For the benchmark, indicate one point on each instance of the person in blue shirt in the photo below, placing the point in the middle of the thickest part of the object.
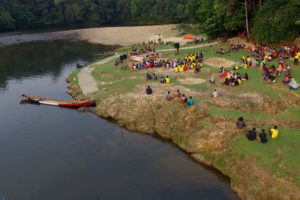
(190, 101)
(148, 76)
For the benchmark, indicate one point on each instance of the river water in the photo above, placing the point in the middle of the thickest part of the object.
(55, 153)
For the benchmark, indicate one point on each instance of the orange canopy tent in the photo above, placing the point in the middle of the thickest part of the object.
(188, 36)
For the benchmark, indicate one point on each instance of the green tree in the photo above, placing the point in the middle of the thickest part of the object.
(276, 20)
(23, 16)
(6, 21)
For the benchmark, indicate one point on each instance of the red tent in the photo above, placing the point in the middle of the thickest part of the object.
(188, 36)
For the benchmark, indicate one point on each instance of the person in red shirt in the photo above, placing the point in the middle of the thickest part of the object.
(185, 68)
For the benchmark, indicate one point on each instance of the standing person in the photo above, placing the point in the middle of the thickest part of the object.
(148, 90)
(262, 137)
(240, 123)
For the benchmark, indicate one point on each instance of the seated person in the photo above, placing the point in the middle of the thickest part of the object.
(251, 135)
(271, 79)
(212, 80)
(176, 69)
(274, 132)
(167, 79)
(262, 137)
(190, 102)
(245, 77)
(226, 82)
(215, 93)
(168, 96)
(148, 90)
(224, 74)
(185, 68)
(285, 79)
(293, 85)
(162, 80)
(240, 123)
(222, 69)
(148, 76)
(178, 94)
(117, 62)
(239, 82)
(183, 99)
(236, 67)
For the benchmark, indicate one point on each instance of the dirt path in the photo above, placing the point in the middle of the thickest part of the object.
(191, 47)
(88, 84)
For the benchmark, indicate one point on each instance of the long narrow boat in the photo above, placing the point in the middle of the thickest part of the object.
(56, 102)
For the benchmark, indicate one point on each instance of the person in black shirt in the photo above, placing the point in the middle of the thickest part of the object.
(262, 137)
(251, 135)
(148, 90)
(240, 123)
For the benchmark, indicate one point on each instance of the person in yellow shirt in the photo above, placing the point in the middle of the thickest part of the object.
(274, 132)
(181, 68)
(176, 69)
(297, 56)
(168, 79)
(240, 81)
(243, 58)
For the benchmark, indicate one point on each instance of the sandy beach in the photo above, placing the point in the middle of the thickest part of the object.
(108, 36)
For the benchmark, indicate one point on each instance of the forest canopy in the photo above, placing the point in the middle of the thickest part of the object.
(270, 21)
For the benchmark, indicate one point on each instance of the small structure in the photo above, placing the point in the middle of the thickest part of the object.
(188, 36)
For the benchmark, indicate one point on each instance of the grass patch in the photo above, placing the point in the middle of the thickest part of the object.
(278, 155)
(73, 77)
(234, 114)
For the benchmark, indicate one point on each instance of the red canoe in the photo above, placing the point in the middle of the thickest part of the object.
(57, 102)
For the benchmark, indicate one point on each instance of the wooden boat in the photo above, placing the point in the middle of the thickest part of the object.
(56, 102)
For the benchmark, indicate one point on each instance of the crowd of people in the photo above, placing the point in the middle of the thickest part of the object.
(270, 74)
(230, 78)
(193, 61)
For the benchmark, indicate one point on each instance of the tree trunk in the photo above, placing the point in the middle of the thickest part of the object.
(253, 5)
(259, 3)
(246, 13)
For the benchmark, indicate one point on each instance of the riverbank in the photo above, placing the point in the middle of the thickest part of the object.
(207, 131)
(108, 35)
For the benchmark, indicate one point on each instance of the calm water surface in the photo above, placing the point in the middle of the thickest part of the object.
(54, 153)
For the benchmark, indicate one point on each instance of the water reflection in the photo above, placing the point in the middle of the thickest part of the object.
(40, 58)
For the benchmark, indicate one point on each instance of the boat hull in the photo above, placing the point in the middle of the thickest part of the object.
(57, 102)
